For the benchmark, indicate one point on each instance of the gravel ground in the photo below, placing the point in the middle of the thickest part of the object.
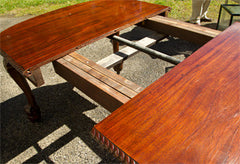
(67, 114)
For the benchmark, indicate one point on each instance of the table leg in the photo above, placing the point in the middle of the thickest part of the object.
(32, 109)
(117, 67)
(165, 14)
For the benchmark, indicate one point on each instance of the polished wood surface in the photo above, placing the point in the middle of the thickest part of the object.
(190, 115)
(42, 39)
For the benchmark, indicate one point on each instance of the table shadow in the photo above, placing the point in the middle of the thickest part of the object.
(60, 106)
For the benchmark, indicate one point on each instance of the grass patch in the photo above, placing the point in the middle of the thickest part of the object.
(181, 9)
(33, 7)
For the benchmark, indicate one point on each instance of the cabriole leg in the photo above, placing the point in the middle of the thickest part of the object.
(32, 109)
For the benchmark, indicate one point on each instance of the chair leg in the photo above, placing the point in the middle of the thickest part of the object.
(32, 110)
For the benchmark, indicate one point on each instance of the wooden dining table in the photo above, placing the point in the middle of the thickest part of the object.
(35, 42)
(42, 39)
(189, 115)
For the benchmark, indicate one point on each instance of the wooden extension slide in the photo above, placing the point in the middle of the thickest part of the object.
(186, 31)
(102, 85)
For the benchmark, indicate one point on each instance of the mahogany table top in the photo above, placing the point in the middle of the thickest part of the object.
(37, 41)
(190, 115)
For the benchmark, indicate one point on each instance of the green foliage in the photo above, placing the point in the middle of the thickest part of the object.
(24, 7)
(181, 9)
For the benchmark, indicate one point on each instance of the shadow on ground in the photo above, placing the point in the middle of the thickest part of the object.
(61, 107)
(171, 46)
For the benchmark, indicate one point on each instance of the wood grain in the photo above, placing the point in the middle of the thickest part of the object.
(102, 85)
(187, 31)
(190, 115)
(37, 41)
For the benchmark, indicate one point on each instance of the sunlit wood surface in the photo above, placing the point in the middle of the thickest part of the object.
(190, 115)
(47, 37)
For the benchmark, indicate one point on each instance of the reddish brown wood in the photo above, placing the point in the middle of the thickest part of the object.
(42, 39)
(103, 71)
(36, 78)
(32, 109)
(187, 31)
(103, 86)
(115, 44)
(190, 115)
(117, 67)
